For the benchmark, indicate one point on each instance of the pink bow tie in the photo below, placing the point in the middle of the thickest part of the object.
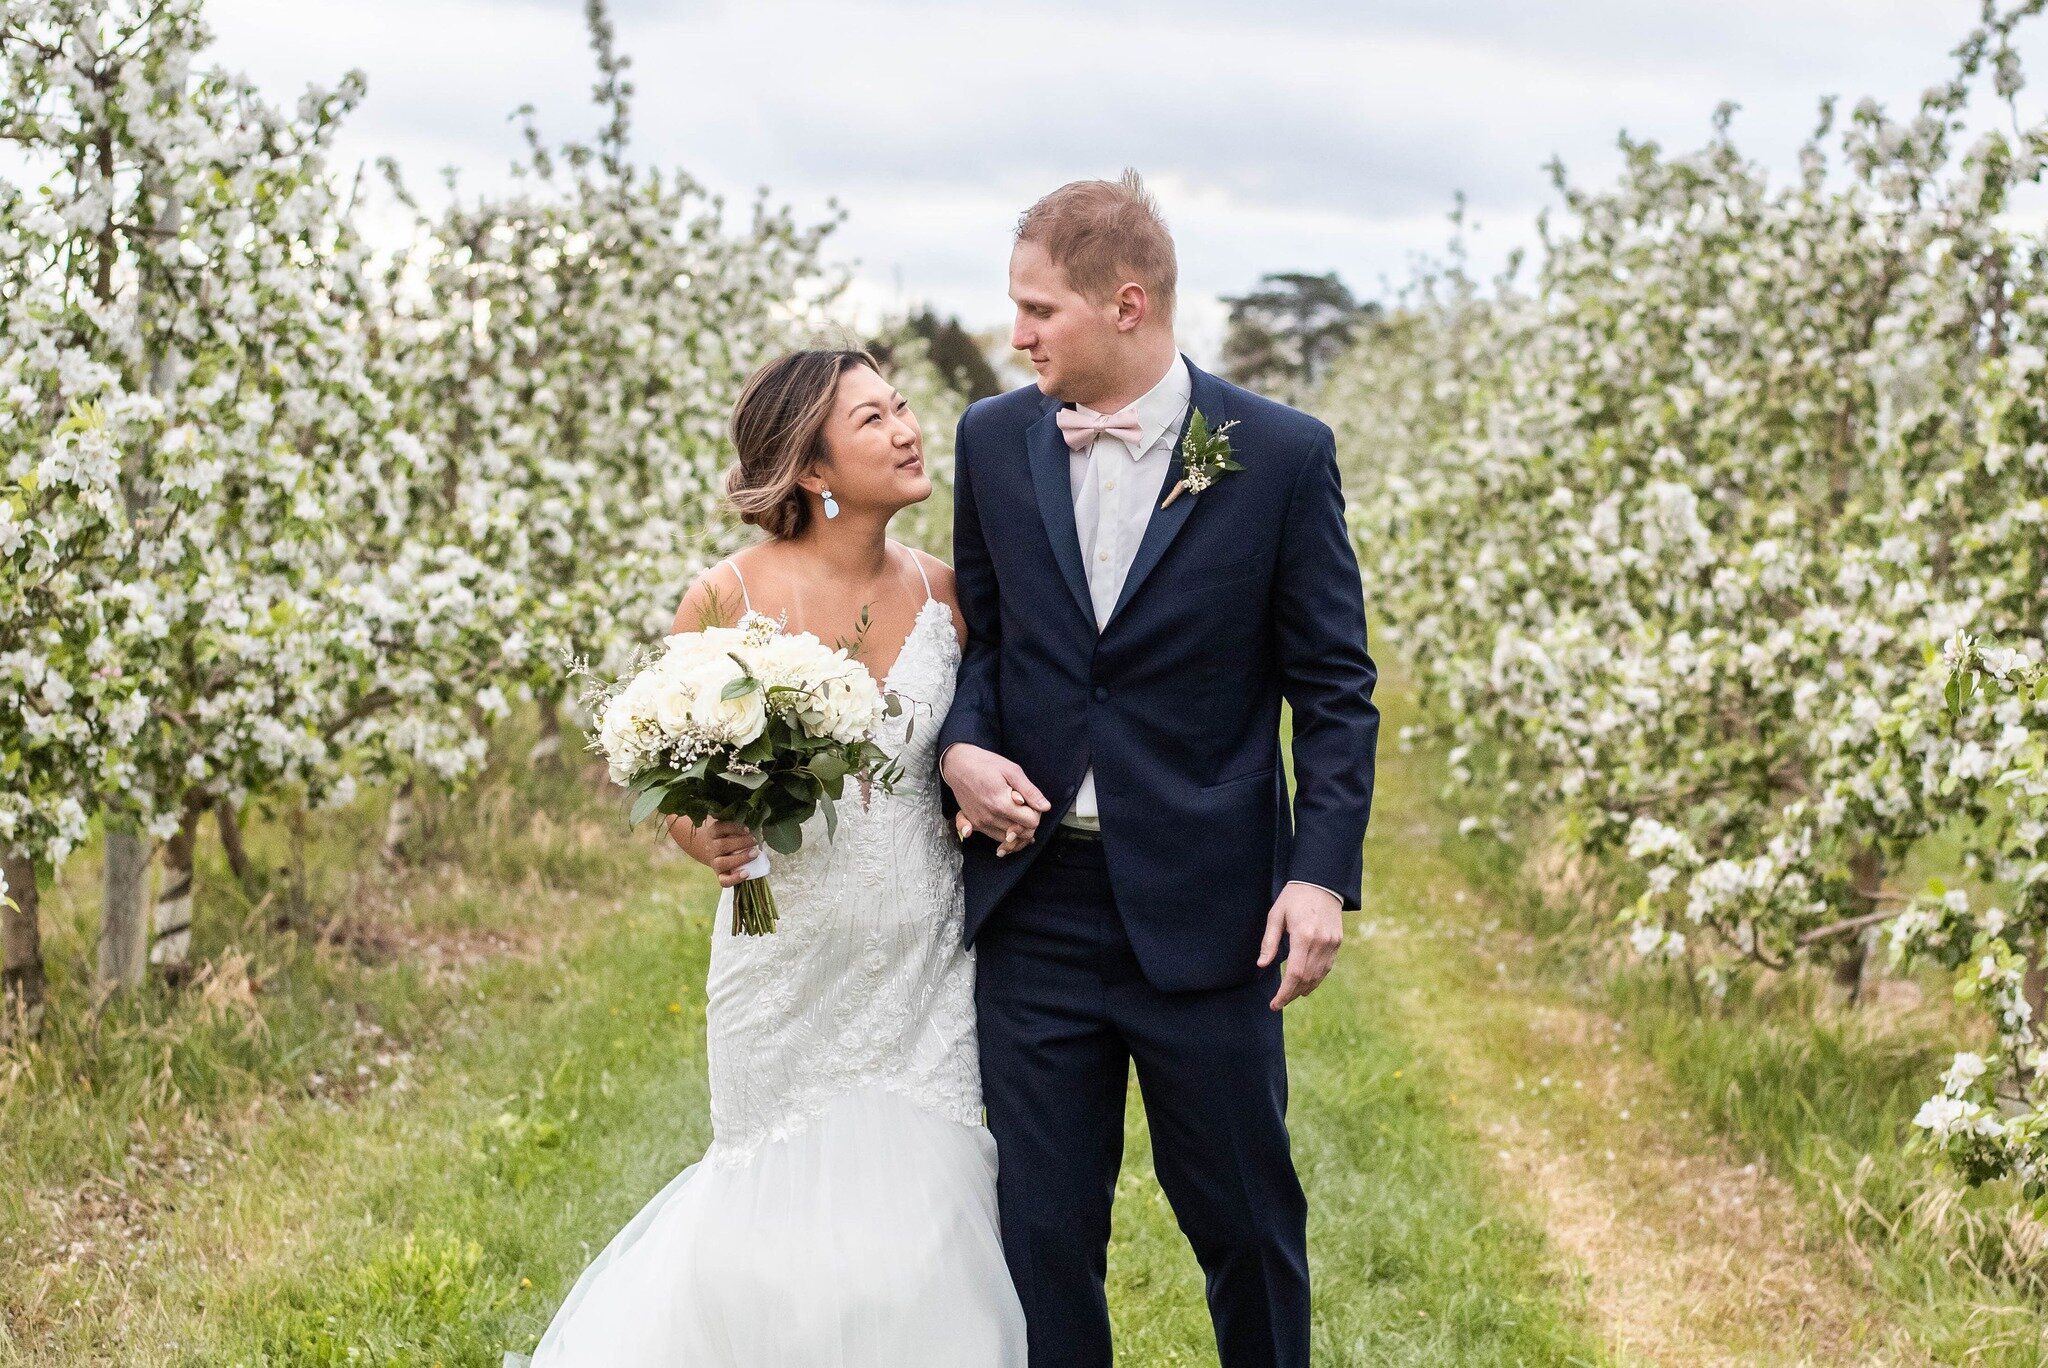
(1082, 431)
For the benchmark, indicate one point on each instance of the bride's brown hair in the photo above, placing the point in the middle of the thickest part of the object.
(778, 429)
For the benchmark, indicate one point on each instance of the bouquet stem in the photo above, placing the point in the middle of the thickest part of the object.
(753, 908)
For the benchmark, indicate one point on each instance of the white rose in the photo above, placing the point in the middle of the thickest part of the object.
(787, 661)
(631, 710)
(686, 651)
(690, 651)
(611, 728)
(844, 706)
(736, 720)
(625, 716)
(675, 703)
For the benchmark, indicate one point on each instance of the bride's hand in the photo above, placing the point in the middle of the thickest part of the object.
(995, 797)
(727, 847)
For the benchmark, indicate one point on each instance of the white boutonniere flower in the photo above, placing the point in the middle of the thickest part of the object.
(1206, 457)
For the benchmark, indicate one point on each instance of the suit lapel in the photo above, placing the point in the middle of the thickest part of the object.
(1052, 482)
(1205, 392)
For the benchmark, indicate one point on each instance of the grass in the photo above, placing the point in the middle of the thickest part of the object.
(1418, 1256)
(391, 1130)
(232, 1172)
(1826, 1098)
(1822, 1096)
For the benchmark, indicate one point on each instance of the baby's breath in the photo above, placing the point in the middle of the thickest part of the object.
(1205, 457)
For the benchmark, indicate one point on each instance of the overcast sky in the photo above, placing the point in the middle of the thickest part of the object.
(1313, 135)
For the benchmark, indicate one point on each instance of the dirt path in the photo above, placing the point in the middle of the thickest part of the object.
(1685, 1255)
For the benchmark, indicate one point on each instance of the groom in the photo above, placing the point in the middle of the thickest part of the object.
(1136, 880)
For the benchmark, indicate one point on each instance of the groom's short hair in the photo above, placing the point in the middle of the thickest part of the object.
(1104, 233)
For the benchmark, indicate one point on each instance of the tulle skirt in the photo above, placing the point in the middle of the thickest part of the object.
(868, 1239)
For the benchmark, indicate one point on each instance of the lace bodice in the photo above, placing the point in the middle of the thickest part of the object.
(865, 981)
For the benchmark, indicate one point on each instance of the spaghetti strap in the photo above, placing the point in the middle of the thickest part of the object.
(745, 602)
(918, 561)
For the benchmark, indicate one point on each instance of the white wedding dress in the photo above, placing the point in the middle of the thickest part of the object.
(844, 1215)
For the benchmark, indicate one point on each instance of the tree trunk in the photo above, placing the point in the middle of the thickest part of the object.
(2034, 985)
(1852, 960)
(547, 751)
(170, 949)
(124, 933)
(400, 824)
(1852, 963)
(1692, 977)
(229, 823)
(21, 949)
(295, 828)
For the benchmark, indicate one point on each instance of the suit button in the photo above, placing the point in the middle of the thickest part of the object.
(1101, 694)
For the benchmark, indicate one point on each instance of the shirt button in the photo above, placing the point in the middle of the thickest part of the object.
(1109, 484)
(1101, 694)
(1103, 556)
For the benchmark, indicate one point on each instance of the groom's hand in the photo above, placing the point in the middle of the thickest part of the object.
(1313, 920)
(995, 798)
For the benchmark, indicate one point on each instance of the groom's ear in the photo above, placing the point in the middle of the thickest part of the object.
(1131, 305)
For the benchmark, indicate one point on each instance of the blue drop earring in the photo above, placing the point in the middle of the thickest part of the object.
(831, 504)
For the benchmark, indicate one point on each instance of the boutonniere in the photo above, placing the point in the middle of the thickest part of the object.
(1206, 457)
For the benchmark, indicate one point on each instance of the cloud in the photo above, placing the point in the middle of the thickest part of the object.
(1314, 135)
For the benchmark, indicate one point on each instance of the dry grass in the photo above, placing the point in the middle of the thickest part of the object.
(1686, 1255)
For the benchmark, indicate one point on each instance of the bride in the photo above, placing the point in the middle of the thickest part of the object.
(844, 1215)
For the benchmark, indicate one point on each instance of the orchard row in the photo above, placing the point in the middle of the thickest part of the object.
(1716, 532)
(280, 515)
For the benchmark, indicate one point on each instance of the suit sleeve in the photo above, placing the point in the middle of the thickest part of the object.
(973, 716)
(1327, 677)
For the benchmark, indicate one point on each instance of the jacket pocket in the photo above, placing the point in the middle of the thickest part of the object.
(1202, 577)
(1266, 773)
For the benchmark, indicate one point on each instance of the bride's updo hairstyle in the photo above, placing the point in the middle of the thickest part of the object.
(778, 429)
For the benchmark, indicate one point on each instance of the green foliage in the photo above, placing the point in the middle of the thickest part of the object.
(949, 349)
(1285, 336)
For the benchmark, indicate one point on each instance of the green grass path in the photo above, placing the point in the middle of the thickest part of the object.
(436, 1212)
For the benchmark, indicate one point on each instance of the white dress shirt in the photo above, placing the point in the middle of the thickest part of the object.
(1116, 487)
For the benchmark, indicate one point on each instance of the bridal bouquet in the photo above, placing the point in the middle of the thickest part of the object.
(751, 724)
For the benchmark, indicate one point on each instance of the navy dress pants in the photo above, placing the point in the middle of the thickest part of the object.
(1064, 1013)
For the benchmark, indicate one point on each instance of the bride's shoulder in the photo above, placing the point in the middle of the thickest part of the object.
(940, 573)
(940, 576)
(717, 597)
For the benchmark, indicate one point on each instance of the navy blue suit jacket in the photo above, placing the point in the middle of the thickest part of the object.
(1240, 596)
